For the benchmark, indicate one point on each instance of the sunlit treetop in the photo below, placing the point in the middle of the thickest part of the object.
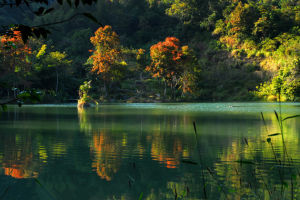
(14, 50)
(14, 42)
(106, 58)
(105, 38)
(166, 57)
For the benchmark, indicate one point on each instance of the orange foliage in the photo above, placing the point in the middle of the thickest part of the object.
(14, 51)
(231, 41)
(166, 57)
(159, 153)
(107, 51)
(141, 52)
(105, 167)
(14, 172)
(15, 41)
(20, 172)
(14, 168)
(102, 171)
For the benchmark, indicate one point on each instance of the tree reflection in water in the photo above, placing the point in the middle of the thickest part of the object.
(17, 160)
(116, 152)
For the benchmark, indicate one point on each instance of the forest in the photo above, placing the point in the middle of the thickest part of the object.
(153, 51)
(188, 99)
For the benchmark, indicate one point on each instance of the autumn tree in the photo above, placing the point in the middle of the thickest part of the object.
(15, 62)
(168, 63)
(106, 59)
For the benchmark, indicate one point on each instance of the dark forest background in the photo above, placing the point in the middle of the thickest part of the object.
(241, 50)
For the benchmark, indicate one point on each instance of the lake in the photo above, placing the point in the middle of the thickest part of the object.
(150, 151)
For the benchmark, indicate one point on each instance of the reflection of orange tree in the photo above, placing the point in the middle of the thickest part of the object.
(104, 147)
(20, 171)
(18, 162)
(169, 154)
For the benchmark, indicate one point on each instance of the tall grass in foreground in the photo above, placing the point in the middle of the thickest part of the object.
(259, 184)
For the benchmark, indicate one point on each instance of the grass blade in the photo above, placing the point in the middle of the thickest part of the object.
(189, 162)
(4, 193)
(274, 134)
(141, 196)
(200, 160)
(49, 194)
(262, 116)
(195, 128)
(290, 117)
(277, 117)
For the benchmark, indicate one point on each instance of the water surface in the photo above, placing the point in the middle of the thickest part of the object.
(120, 151)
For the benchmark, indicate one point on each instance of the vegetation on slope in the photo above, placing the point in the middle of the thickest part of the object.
(232, 50)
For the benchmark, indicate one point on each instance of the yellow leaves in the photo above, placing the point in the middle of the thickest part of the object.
(185, 49)
(43, 154)
(123, 63)
(57, 55)
(140, 53)
(42, 51)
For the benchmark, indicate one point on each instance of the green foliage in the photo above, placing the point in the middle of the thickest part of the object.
(233, 46)
(264, 33)
(84, 89)
(282, 87)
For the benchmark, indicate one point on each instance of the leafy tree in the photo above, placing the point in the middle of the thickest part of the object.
(57, 60)
(107, 57)
(242, 18)
(15, 63)
(168, 63)
(141, 60)
(188, 80)
(52, 63)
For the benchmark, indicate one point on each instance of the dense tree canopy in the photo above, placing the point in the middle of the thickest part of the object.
(106, 59)
(234, 49)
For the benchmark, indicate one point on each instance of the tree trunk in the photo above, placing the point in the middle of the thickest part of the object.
(165, 90)
(105, 89)
(141, 76)
(172, 91)
(14, 89)
(56, 88)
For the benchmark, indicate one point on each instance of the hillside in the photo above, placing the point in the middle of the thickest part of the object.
(228, 50)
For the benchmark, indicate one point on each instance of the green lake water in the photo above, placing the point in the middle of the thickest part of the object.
(124, 151)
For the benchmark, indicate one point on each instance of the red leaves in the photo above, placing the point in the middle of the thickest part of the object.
(166, 57)
(15, 42)
(14, 51)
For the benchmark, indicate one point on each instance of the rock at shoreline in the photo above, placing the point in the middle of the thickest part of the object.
(83, 104)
